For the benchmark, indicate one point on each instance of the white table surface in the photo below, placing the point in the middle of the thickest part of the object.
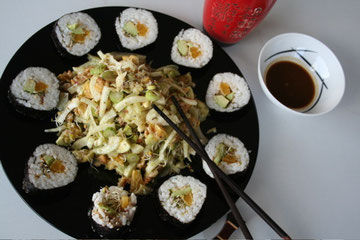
(307, 173)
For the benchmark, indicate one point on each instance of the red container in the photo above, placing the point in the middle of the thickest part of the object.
(228, 21)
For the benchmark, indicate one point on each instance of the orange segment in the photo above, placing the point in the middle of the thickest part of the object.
(188, 198)
(142, 29)
(125, 200)
(57, 167)
(229, 158)
(225, 89)
(40, 87)
(195, 52)
(82, 107)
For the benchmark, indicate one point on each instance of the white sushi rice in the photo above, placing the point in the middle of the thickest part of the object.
(42, 177)
(136, 16)
(64, 34)
(121, 218)
(195, 36)
(240, 153)
(238, 86)
(184, 214)
(47, 102)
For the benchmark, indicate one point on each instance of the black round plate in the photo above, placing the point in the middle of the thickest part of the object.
(67, 208)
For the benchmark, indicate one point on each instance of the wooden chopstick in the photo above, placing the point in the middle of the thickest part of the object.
(239, 219)
(225, 178)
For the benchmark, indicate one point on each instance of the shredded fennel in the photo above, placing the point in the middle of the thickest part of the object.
(113, 124)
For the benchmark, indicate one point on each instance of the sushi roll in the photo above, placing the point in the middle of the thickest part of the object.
(49, 167)
(75, 34)
(113, 210)
(191, 48)
(182, 198)
(136, 28)
(227, 92)
(228, 153)
(34, 90)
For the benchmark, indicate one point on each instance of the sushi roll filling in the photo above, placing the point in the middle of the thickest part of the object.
(49, 167)
(228, 153)
(75, 34)
(132, 29)
(225, 95)
(78, 32)
(188, 49)
(113, 207)
(227, 92)
(50, 164)
(225, 153)
(35, 87)
(182, 196)
(136, 28)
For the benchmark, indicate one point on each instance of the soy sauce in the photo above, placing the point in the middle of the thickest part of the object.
(290, 84)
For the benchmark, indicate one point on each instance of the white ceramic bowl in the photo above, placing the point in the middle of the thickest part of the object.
(318, 59)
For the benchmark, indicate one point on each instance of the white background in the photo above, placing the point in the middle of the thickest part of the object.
(307, 173)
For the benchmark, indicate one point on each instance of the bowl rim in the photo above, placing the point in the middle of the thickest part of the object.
(277, 102)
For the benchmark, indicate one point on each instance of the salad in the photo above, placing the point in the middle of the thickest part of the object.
(106, 117)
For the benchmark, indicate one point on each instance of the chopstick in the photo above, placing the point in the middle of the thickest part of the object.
(225, 178)
(228, 199)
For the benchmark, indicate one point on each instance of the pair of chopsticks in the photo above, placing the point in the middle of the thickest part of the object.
(220, 175)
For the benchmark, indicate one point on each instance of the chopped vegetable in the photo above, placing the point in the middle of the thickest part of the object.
(29, 86)
(219, 153)
(75, 28)
(230, 96)
(211, 130)
(182, 47)
(224, 96)
(181, 191)
(113, 123)
(221, 101)
(116, 97)
(131, 29)
(109, 132)
(49, 160)
(109, 75)
(151, 96)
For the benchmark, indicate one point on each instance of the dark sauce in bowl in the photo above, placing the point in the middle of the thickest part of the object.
(291, 84)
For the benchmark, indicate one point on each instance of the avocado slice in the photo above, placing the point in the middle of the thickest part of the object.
(230, 96)
(181, 192)
(221, 101)
(108, 209)
(219, 153)
(75, 28)
(29, 86)
(182, 47)
(131, 29)
(72, 27)
(49, 160)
